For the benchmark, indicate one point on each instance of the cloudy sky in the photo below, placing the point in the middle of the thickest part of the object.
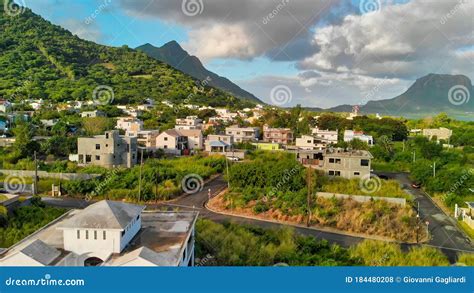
(320, 53)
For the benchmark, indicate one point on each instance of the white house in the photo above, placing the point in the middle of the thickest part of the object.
(109, 233)
(172, 141)
(93, 114)
(309, 142)
(190, 122)
(131, 125)
(5, 106)
(243, 134)
(330, 135)
(350, 135)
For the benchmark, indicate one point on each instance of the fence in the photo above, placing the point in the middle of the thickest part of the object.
(363, 198)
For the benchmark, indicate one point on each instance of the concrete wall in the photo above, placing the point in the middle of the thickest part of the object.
(363, 198)
(100, 246)
(44, 174)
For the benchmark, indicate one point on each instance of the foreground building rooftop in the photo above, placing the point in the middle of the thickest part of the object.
(109, 233)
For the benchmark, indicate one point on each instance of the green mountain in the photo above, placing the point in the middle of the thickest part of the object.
(430, 94)
(41, 60)
(173, 54)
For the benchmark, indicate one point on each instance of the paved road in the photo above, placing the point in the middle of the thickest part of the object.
(198, 200)
(446, 235)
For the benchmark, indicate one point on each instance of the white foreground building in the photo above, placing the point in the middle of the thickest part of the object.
(109, 233)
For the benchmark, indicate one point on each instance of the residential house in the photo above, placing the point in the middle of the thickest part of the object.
(147, 138)
(243, 134)
(350, 135)
(108, 150)
(93, 114)
(309, 142)
(331, 136)
(131, 125)
(219, 143)
(338, 162)
(5, 106)
(172, 142)
(440, 133)
(268, 146)
(190, 122)
(277, 135)
(195, 138)
(109, 233)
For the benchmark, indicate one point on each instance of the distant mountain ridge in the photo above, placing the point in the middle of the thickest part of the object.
(431, 94)
(174, 55)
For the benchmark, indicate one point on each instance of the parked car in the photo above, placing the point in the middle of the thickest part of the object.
(416, 185)
(235, 159)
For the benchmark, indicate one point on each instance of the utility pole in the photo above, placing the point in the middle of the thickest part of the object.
(140, 180)
(35, 184)
(228, 174)
(309, 170)
(434, 169)
(414, 156)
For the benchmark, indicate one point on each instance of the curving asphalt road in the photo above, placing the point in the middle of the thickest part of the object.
(445, 234)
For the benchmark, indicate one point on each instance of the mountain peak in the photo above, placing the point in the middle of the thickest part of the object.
(174, 55)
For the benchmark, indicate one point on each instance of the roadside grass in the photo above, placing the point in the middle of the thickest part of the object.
(469, 231)
(387, 188)
(377, 218)
(466, 259)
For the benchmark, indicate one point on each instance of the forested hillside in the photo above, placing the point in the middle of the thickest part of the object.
(42, 60)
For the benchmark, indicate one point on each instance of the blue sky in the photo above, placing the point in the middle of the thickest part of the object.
(328, 52)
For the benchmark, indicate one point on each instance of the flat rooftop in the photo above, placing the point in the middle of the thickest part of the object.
(162, 238)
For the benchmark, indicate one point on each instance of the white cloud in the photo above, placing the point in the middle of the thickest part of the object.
(406, 41)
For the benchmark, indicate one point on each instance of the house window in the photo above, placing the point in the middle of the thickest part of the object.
(364, 163)
(97, 158)
(331, 160)
(87, 234)
(78, 234)
(104, 235)
(165, 139)
(337, 173)
(165, 147)
(331, 173)
(107, 136)
(97, 146)
(356, 173)
(95, 235)
(88, 158)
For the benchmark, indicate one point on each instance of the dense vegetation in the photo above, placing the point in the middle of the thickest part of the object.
(454, 166)
(161, 179)
(24, 221)
(273, 186)
(40, 60)
(237, 245)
